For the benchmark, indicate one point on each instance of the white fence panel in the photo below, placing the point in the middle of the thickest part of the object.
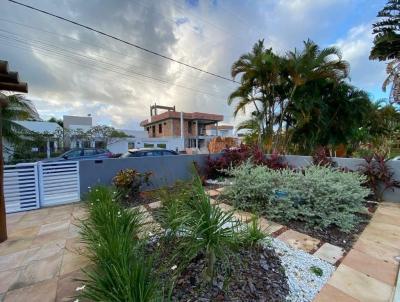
(59, 182)
(21, 190)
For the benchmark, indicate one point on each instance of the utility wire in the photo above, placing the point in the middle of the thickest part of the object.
(97, 46)
(123, 41)
(128, 74)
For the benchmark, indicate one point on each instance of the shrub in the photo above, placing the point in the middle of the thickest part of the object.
(321, 158)
(319, 196)
(236, 156)
(379, 176)
(129, 182)
(121, 270)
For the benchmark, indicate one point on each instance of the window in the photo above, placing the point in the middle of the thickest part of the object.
(148, 145)
(89, 152)
(159, 128)
(153, 130)
(131, 145)
(74, 153)
(164, 146)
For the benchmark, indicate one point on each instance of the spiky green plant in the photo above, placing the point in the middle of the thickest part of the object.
(252, 233)
(122, 270)
(208, 230)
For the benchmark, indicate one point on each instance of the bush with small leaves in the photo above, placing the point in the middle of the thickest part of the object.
(319, 196)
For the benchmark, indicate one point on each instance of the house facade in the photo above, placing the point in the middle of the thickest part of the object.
(184, 130)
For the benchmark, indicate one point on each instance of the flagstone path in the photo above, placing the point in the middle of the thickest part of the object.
(43, 255)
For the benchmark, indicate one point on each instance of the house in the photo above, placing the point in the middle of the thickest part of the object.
(179, 130)
(50, 138)
(78, 135)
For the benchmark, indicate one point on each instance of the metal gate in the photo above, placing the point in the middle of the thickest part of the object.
(21, 190)
(59, 182)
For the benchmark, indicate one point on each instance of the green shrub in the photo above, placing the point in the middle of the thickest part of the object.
(319, 196)
(121, 271)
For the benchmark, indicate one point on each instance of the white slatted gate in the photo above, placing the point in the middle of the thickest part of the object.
(21, 190)
(59, 182)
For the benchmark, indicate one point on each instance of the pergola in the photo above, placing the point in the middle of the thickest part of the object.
(9, 81)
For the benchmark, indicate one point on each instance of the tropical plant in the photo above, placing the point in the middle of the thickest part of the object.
(129, 182)
(121, 270)
(321, 158)
(387, 38)
(387, 45)
(252, 233)
(379, 176)
(207, 230)
(18, 109)
(273, 86)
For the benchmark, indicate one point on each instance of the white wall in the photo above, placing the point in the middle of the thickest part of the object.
(172, 143)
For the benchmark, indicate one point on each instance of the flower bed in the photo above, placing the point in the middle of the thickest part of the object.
(320, 201)
(195, 252)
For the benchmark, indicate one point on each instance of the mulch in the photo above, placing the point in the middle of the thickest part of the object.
(250, 274)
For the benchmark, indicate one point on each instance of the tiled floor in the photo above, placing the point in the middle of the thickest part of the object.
(42, 256)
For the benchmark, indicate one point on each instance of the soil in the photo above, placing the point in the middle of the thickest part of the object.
(253, 274)
(332, 235)
(143, 199)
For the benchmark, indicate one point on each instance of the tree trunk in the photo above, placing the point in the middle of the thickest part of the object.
(3, 225)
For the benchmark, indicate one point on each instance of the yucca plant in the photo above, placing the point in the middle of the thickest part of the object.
(208, 230)
(122, 270)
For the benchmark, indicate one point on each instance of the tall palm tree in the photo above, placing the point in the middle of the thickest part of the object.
(260, 74)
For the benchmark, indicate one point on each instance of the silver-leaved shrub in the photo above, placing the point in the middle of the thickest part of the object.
(319, 196)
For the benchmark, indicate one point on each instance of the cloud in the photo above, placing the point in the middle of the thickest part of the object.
(76, 71)
(356, 47)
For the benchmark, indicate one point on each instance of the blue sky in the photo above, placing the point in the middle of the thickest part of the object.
(73, 71)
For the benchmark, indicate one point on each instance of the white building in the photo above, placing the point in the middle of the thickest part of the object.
(51, 131)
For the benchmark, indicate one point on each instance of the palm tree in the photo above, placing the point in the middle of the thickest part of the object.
(260, 74)
(311, 64)
(393, 72)
(17, 109)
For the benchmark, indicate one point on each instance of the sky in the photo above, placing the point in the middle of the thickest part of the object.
(74, 71)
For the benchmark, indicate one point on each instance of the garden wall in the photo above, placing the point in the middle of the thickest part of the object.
(166, 169)
(353, 164)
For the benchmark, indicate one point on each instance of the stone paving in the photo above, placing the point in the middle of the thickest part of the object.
(43, 255)
(369, 270)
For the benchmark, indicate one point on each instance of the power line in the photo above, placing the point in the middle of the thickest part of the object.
(123, 41)
(97, 46)
(129, 74)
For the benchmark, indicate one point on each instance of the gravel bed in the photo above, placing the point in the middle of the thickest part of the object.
(304, 283)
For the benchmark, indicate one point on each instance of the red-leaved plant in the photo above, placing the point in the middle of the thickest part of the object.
(321, 158)
(236, 156)
(380, 176)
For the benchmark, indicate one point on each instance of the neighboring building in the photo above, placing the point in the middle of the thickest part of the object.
(51, 132)
(220, 130)
(179, 130)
